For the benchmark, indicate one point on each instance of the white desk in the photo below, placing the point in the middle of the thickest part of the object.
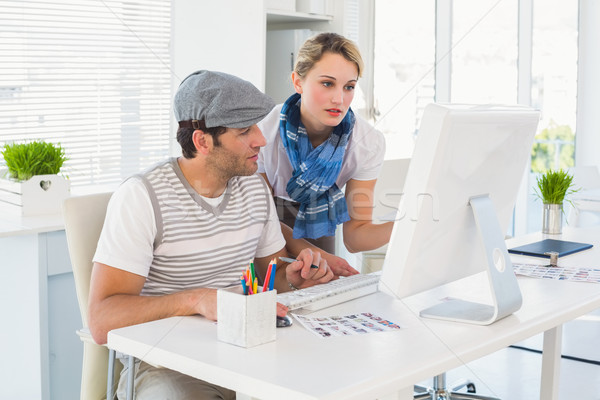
(299, 365)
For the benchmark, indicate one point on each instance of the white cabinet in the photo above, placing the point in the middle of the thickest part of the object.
(65, 349)
(227, 36)
(41, 353)
(286, 32)
(282, 52)
(230, 36)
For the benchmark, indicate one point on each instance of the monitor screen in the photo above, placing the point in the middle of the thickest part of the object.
(457, 202)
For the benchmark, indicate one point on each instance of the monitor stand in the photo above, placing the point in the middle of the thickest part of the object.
(506, 295)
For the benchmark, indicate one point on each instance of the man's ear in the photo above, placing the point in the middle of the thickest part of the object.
(297, 82)
(202, 141)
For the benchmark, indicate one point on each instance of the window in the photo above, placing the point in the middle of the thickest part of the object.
(497, 54)
(554, 83)
(93, 76)
(554, 92)
(404, 67)
(484, 51)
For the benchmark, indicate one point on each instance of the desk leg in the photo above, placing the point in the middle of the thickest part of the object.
(111, 374)
(551, 363)
(130, 376)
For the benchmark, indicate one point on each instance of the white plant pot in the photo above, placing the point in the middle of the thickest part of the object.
(42, 194)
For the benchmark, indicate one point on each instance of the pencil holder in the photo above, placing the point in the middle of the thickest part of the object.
(246, 321)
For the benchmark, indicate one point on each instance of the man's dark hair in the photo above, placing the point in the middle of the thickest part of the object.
(184, 138)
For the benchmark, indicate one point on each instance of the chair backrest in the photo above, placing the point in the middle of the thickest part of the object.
(84, 218)
(386, 199)
(586, 202)
(388, 189)
(585, 177)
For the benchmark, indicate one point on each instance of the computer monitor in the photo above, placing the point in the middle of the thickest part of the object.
(457, 202)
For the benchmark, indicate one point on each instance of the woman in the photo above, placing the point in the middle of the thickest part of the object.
(316, 145)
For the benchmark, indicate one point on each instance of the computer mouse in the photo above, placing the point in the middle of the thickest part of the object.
(282, 322)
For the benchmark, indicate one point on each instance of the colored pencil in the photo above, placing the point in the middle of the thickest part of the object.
(266, 284)
(273, 270)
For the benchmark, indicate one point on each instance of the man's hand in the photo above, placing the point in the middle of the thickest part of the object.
(204, 302)
(301, 274)
(281, 310)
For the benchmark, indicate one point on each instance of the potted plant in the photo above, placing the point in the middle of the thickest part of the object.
(32, 181)
(553, 188)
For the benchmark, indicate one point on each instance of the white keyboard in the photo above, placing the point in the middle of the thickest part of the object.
(331, 293)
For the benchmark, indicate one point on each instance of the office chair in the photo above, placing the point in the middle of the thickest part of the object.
(386, 199)
(84, 217)
(439, 391)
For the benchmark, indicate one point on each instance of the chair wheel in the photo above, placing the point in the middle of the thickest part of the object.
(471, 388)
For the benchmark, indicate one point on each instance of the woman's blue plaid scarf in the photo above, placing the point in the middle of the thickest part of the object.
(322, 203)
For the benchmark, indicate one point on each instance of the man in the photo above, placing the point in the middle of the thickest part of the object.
(188, 226)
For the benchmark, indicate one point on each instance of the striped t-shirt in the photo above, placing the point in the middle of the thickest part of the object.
(192, 243)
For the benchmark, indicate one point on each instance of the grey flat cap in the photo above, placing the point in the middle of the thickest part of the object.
(220, 100)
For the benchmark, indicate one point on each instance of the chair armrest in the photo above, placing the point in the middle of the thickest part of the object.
(85, 335)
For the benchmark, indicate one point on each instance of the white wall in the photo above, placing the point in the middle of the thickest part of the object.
(221, 35)
(227, 36)
(587, 139)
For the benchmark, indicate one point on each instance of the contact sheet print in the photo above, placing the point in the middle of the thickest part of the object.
(368, 322)
(353, 324)
(578, 274)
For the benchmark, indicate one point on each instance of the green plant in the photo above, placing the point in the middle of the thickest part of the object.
(25, 160)
(554, 186)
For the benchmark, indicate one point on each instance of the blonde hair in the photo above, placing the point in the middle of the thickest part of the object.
(313, 49)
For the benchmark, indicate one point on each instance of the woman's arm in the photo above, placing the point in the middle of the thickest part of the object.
(300, 273)
(360, 233)
(338, 265)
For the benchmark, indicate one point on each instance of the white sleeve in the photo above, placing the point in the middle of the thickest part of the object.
(271, 240)
(269, 127)
(370, 144)
(127, 238)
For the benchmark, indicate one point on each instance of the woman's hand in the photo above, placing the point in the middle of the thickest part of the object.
(338, 265)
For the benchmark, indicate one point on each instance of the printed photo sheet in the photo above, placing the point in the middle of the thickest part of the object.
(353, 324)
(580, 274)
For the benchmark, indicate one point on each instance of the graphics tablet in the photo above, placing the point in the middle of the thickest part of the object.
(562, 247)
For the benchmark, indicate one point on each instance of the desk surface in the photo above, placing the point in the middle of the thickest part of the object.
(300, 365)
(586, 258)
(12, 223)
